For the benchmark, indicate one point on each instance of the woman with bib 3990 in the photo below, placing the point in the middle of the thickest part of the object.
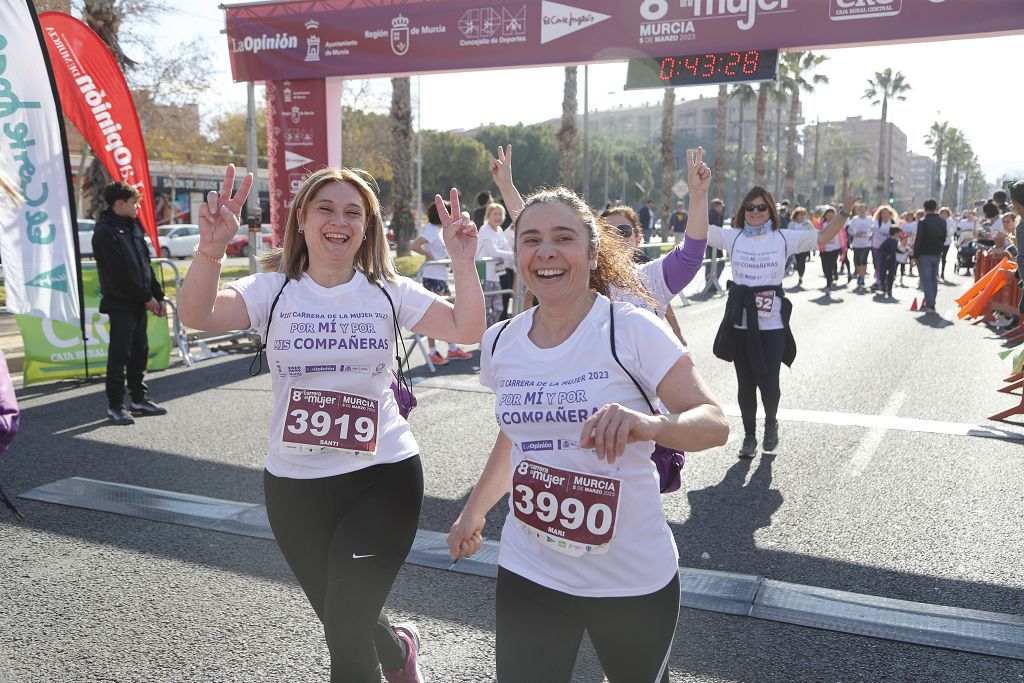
(585, 547)
(754, 334)
(343, 480)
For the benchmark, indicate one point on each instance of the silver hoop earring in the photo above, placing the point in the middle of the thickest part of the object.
(300, 231)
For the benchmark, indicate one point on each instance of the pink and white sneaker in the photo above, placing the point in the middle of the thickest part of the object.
(410, 671)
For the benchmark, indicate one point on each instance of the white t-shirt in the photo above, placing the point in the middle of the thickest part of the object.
(910, 230)
(860, 230)
(966, 228)
(543, 397)
(652, 274)
(491, 242)
(331, 341)
(802, 225)
(950, 231)
(836, 244)
(435, 247)
(880, 234)
(760, 260)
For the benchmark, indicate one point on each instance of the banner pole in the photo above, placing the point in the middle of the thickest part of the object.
(67, 173)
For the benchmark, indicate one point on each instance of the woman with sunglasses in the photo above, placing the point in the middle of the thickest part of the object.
(343, 480)
(755, 334)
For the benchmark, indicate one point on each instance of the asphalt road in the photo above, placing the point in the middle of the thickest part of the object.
(89, 596)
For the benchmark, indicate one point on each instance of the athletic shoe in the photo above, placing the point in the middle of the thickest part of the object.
(458, 354)
(120, 416)
(438, 359)
(410, 671)
(749, 447)
(771, 435)
(146, 408)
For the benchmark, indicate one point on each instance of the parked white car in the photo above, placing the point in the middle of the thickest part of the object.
(178, 240)
(86, 227)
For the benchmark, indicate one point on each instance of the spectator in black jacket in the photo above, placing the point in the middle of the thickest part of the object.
(128, 290)
(928, 245)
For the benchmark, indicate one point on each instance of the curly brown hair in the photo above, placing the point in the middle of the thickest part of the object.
(615, 268)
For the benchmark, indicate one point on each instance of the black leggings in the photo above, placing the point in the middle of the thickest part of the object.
(748, 382)
(345, 538)
(801, 262)
(539, 631)
(829, 260)
(945, 252)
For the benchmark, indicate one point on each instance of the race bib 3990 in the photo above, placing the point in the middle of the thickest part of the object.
(570, 512)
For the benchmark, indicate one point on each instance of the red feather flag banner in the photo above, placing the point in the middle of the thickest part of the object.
(95, 97)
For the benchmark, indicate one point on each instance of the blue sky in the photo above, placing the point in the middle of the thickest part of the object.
(947, 79)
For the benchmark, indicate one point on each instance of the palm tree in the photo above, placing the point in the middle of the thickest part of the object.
(744, 93)
(718, 165)
(796, 65)
(668, 157)
(936, 140)
(567, 132)
(778, 90)
(401, 191)
(886, 85)
(957, 149)
(762, 111)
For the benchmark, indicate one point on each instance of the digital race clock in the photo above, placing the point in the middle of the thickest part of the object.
(702, 69)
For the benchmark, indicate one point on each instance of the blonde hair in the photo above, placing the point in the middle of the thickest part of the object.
(373, 257)
(491, 207)
(615, 268)
(878, 213)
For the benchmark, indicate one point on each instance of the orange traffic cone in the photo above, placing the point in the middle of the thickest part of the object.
(913, 306)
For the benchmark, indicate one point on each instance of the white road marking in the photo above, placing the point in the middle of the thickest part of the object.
(871, 441)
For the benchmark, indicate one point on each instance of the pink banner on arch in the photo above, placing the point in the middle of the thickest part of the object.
(363, 38)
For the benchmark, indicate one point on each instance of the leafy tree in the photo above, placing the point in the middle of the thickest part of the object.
(668, 166)
(718, 164)
(936, 140)
(535, 149)
(453, 160)
(228, 137)
(745, 94)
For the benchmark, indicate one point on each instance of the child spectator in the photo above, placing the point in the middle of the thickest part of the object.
(888, 252)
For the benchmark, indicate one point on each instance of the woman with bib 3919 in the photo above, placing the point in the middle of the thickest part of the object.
(343, 480)
(754, 334)
(585, 547)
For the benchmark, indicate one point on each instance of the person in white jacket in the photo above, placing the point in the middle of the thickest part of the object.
(492, 244)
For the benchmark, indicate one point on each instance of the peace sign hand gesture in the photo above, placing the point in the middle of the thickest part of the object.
(698, 174)
(849, 201)
(221, 213)
(458, 231)
(501, 168)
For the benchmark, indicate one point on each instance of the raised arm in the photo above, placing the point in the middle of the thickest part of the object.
(838, 218)
(680, 265)
(466, 535)
(464, 322)
(200, 305)
(501, 171)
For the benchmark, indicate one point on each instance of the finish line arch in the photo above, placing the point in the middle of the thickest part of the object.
(302, 49)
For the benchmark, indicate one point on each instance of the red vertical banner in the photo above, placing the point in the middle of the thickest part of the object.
(303, 135)
(96, 98)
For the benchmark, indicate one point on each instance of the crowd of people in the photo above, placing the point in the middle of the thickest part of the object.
(596, 392)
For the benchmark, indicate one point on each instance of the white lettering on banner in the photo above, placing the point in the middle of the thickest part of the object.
(257, 44)
(745, 9)
(840, 10)
(96, 331)
(99, 106)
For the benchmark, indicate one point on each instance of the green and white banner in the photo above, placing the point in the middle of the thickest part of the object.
(54, 350)
(36, 233)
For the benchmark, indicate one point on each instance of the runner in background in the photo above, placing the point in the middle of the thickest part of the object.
(430, 244)
(860, 229)
(909, 229)
(343, 479)
(799, 221)
(754, 334)
(830, 252)
(883, 218)
(585, 547)
(946, 214)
